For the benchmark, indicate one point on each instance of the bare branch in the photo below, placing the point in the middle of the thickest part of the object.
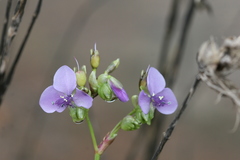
(37, 11)
(3, 39)
(171, 23)
(11, 34)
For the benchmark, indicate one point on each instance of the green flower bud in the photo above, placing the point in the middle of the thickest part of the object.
(105, 92)
(102, 79)
(113, 66)
(81, 76)
(104, 89)
(93, 83)
(78, 114)
(95, 58)
(129, 123)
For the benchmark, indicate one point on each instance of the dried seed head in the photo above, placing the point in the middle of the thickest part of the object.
(215, 64)
(208, 56)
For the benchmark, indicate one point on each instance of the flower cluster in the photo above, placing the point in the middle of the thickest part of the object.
(69, 91)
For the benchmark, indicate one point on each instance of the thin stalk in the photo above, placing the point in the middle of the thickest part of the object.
(171, 127)
(37, 11)
(94, 141)
(97, 156)
(3, 41)
(170, 26)
(4, 31)
(174, 68)
(8, 79)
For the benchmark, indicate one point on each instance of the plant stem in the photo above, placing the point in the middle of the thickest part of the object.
(97, 156)
(115, 130)
(94, 141)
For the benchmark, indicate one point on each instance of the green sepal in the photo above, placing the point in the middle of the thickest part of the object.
(129, 123)
(93, 83)
(78, 114)
(105, 92)
(139, 115)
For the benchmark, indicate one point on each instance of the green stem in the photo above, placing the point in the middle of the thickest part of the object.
(97, 156)
(118, 126)
(115, 130)
(94, 141)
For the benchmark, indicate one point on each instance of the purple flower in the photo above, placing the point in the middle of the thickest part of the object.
(118, 90)
(163, 99)
(63, 93)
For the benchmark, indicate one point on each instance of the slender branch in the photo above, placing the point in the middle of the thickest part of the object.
(4, 31)
(181, 43)
(171, 23)
(7, 81)
(12, 30)
(35, 15)
(171, 127)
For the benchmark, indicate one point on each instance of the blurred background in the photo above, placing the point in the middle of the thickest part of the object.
(132, 31)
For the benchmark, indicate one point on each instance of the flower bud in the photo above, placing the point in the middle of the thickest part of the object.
(129, 123)
(113, 66)
(81, 76)
(78, 114)
(95, 58)
(118, 90)
(102, 79)
(93, 83)
(105, 92)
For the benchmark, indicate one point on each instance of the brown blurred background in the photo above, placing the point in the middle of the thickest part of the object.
(133, 32)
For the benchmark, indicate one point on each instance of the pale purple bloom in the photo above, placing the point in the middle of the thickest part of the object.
(63, 93)
(118, 90)
(163, 99)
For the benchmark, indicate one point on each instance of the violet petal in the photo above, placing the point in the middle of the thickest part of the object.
(61, 109)
(170, 97)
(47, 99)
(155, 81)
(144, 102)
(82, 99)
(65, 80)
(120, 93)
